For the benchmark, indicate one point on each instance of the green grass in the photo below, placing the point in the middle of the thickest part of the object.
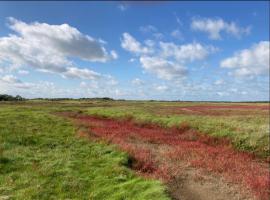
(41, 158)
(247, 132)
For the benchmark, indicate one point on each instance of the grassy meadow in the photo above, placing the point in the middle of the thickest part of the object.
(42, 157)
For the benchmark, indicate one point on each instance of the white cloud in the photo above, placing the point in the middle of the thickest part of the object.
(249, 62)
(23, 72)
(10, 79)
(168, 59)
(105, 86)
(222, 94)
(123, 7)
(13, 81)
(131, 60)
(177, 34)
(158, 36)
(73, 72)
(114, 54)
(179, 22)
(187, 52)
(137, 82)
(234, 90)
(49, 48)
(83, 84)
(161, 88)
(111, 81)
(214, 27)
(63, 39)
(219, 82)
(150, 43)
(148, 29)
(129, 43)
(164, 69)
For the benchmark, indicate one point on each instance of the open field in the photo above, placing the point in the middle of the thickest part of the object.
(41, 158)
(134, 150)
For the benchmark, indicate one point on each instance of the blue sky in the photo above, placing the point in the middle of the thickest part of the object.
(135, 50)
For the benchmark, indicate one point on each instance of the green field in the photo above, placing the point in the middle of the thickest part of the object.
(41, 157)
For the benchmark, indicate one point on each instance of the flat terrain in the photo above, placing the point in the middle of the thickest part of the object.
(134, 150)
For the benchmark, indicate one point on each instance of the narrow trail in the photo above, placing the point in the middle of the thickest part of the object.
(193, 165)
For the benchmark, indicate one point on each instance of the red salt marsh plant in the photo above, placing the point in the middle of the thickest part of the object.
(245, 125)
(186, 145)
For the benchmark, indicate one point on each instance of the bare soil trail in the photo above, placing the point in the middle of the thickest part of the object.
(194, 166)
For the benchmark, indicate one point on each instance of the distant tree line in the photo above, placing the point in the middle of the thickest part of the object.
(6, 97)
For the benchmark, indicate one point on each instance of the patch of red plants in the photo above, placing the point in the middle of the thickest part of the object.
(185, 145)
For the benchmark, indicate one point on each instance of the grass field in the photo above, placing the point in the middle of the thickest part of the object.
(42, 155)
(41, 158)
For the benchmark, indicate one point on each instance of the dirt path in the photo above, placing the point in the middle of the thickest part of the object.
(189, 183)
(194, 166)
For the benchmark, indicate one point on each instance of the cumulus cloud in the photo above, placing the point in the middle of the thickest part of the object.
(137, 82)
(161, 88)
(158, 36)
(131, 60)
(148, 28)
(249, 62)
(187, 52)
(168, 60)
(11, 80)
(219, 82)
(73, 72)
(23, 72)
(164, 69)
(123, 7)
(177, 34)
(114, 54)
(214, 27)
(83, 84)
(64, 39)
(105, 86)
(49, 48)
(222, 94)
(129, 43)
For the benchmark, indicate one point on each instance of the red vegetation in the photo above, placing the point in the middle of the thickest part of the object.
(156, 151)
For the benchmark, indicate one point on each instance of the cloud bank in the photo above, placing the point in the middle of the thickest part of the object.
(50, 48)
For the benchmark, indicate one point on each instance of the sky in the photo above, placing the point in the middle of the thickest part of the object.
(196, 51)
